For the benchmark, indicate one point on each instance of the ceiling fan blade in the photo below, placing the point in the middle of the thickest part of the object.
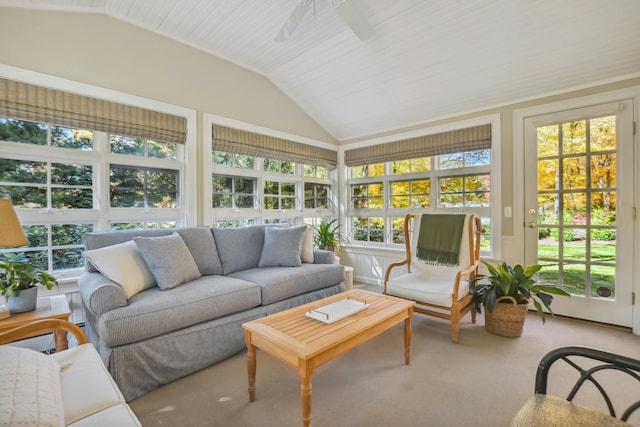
(293, 21)
(354, 19)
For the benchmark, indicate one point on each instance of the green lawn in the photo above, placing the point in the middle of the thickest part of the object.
(574, 274)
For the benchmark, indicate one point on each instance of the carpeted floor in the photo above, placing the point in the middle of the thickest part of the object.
(482, 381)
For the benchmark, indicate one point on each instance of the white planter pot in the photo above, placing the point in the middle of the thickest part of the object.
(26, 301)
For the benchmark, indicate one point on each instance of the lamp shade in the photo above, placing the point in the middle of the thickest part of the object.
(11, 232)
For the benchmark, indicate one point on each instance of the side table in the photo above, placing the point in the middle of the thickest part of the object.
(55, 307)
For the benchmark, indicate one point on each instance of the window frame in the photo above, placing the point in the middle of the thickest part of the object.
(259, 215)
(102, 215)
(434, 174)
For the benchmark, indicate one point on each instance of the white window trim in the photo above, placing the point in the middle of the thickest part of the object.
(496, 174)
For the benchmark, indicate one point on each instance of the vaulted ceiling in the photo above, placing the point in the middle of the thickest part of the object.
(426, 59)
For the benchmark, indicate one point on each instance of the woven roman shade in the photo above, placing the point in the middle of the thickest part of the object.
(24, 101)
(238, 141)
(469, 139)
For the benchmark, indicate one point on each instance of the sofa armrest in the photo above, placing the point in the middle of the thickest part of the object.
(99, 294)
(320, 256)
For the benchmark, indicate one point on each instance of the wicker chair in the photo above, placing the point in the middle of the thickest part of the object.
(440, 291)
(605, 371)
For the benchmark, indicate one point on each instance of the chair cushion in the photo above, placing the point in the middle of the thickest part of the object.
(119, 415)
(30, 390)
(431, 289)
(123, 264)
(551, 411)
(87, 387)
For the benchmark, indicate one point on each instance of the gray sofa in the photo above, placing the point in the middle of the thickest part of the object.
(165, 329)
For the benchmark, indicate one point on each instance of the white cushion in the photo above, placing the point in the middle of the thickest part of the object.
(118, 415)
(306, 255)
(123, 264)
(30, 391)
(87, 386)
(431, 289)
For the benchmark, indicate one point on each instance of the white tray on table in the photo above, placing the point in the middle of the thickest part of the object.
(337, 310)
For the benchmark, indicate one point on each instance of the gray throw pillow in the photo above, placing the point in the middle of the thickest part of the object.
(203, 248)
(282, 247)
(169, 260)
(239, 248)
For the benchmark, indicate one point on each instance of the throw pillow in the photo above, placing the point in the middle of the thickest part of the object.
(123, 264)
(203, 248)
(30, 390)
(169, 260)
(307, 246)
(282, 247)
(239, 248)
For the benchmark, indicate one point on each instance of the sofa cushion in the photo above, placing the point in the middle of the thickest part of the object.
(83, 365)
(123, 263)
(306, 254)
(239, 248)
(155, 312)
(282, 247)
(279, 283)
(203, 248)
(168, 259)
(30, 390)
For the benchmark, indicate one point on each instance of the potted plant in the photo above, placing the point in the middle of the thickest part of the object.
(327, 236)
(19, 280)
(506, 292)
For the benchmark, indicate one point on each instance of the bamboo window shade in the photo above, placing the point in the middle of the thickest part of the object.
(247, 143)
(468, 139)
(29, 102)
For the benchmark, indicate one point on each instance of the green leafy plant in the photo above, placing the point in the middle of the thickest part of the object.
(16, 274)
(517, 282)
(327, 235)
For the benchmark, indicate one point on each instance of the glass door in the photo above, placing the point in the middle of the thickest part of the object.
(578, 209)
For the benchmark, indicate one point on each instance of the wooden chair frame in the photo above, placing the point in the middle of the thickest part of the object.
(45, 326)
(459, 307)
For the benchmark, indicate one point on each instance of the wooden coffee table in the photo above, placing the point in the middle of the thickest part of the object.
(305, 343)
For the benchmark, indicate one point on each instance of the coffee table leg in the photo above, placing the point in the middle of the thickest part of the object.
(305, 369)
(407, 337)
(251, 366)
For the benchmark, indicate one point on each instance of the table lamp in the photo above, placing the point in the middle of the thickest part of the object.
(11, 235)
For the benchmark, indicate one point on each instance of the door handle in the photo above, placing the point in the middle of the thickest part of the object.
(532, 224)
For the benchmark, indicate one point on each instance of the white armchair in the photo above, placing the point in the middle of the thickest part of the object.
(439, 289)
(68, 388)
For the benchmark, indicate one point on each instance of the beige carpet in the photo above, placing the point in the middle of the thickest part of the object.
(482, 381)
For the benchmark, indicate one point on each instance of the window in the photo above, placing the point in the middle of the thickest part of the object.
(279, 195)
(316, 196)
(380, 201)
(57, 188)
(233, 192)
(252, 190)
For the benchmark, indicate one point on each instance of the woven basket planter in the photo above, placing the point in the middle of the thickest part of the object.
(507, 320)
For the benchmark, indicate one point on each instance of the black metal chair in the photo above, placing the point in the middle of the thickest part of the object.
(545, 410)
